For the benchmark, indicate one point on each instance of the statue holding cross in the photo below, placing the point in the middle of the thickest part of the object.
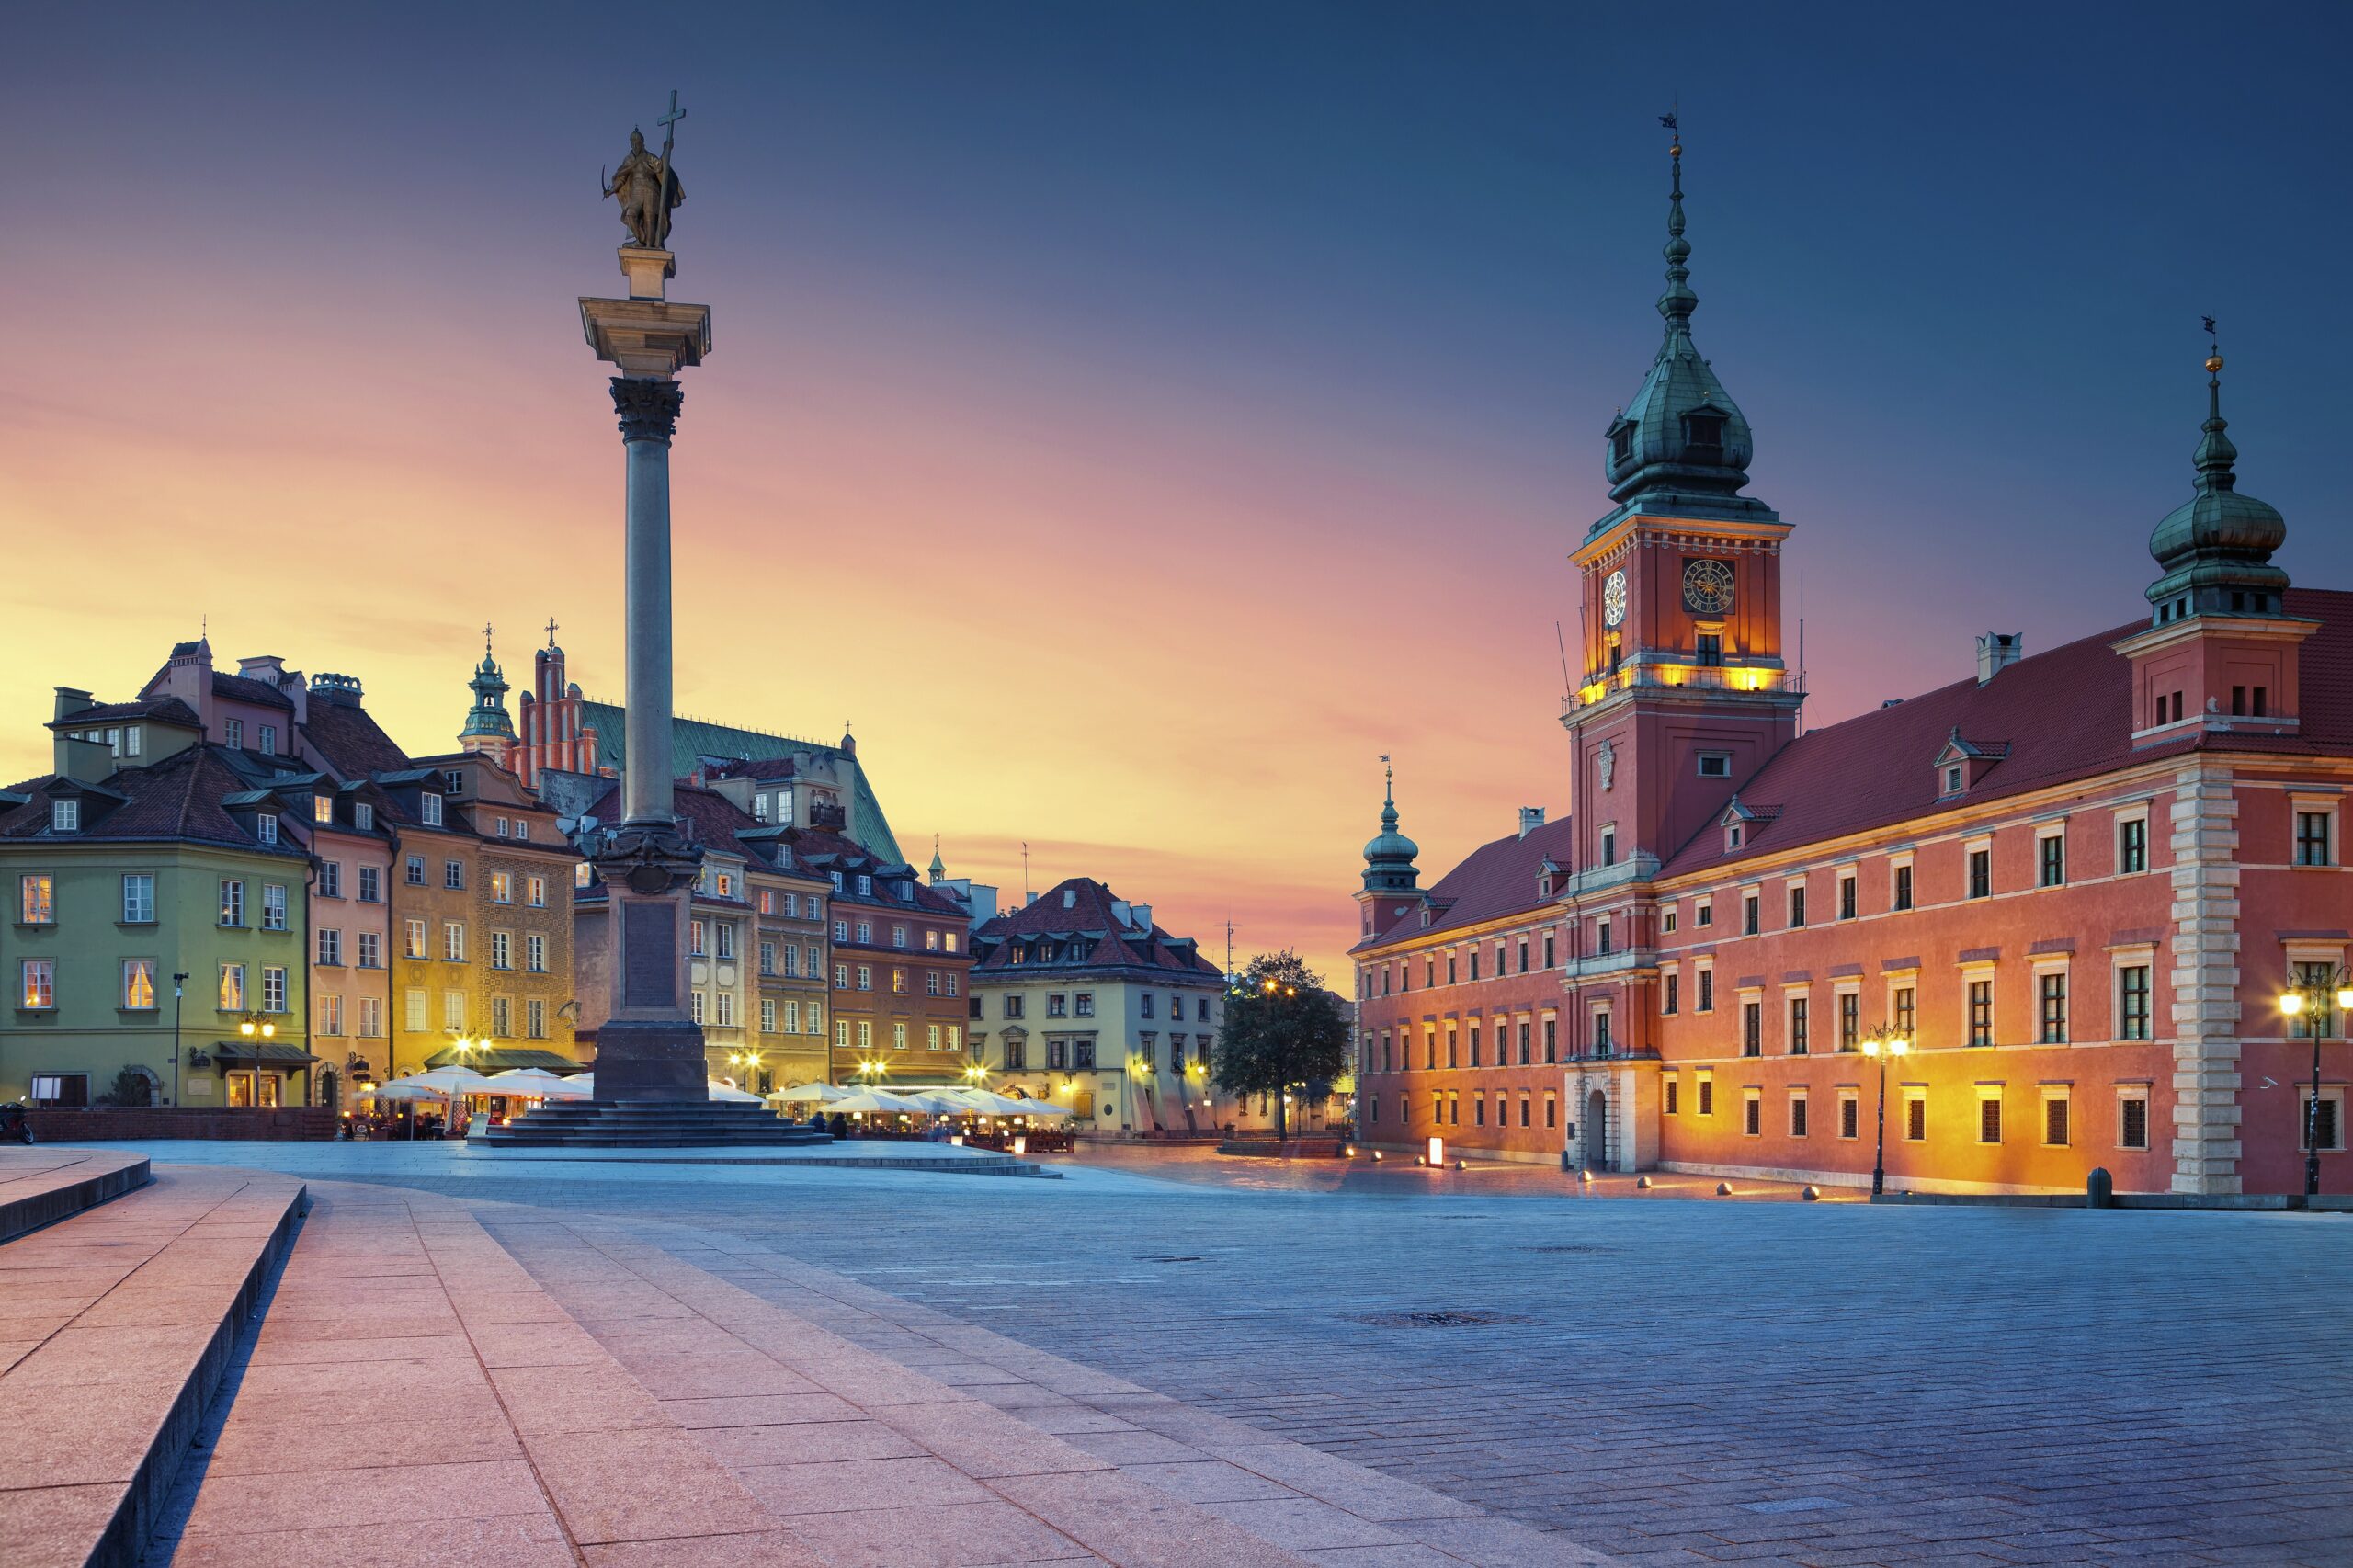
(647, 186)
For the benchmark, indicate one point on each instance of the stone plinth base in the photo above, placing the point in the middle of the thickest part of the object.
(645, 1063)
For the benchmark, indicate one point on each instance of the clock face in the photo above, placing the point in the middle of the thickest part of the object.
(1613, 598)
(1707, 587)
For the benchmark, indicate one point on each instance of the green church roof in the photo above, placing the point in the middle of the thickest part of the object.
(691, 740)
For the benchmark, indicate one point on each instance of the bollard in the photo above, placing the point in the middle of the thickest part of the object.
(1812, 1195)
(2100, 1189)
(1723, 1189)
(1584, 1179)
(1645, 1184)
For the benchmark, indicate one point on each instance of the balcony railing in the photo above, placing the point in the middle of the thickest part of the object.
(1711, 677)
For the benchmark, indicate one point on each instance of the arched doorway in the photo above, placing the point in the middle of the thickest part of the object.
(1596, 1131)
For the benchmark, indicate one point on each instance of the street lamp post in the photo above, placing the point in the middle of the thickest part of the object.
(1880, 1044)
(178, 981)
(2314, 997)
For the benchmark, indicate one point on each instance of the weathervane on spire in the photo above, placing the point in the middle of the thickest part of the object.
(2213, 349)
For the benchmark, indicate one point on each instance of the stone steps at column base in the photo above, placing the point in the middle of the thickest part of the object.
(655, 1125)
(102, 1409)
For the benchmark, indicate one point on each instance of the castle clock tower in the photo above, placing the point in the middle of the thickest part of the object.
(1684, 692)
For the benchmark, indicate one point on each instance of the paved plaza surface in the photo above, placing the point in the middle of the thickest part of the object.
(1660, 1378)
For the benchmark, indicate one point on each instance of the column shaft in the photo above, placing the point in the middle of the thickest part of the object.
(648, 784)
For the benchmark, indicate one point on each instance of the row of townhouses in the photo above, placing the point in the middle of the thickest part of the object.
(235, 890)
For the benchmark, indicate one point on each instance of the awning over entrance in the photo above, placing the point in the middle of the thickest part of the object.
(263, 1054)
(499, 1058)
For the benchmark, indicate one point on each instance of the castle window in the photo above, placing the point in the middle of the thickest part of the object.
(1715, 765)
(2312, 837)
(1610, 846)
(1712, 649)
(1622, 443)
(1704, 433)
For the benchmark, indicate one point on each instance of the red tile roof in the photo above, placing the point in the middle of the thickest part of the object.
(244, 688)
(349, 741)
(1496, 880)
(2062, 716)
(163, 709)
(1118, 944)
(178, 797)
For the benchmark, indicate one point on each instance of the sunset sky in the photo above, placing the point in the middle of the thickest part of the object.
(1135, 418)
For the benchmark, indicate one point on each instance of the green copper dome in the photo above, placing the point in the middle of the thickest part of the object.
(488, 715)
(1389, 858)
(2216, 547)
(1682, 443)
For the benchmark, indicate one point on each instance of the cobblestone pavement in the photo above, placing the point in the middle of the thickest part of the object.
(1665, 1380)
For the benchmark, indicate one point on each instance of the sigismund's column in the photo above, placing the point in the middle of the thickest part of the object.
(648, 1048)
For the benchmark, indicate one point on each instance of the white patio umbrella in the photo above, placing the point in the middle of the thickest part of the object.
(440, 1084)
(873, 1102)
(539, 1084)
(929, 1102)
(711, 1086)
(824, 1093)
(1038, 1110)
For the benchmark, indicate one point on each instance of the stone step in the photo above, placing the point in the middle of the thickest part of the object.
(610, 1124)
(42, 1185)
(415, 1399)
(115, 1326)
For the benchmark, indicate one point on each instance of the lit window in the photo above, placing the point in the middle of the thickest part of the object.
(38, 987)
(323, 807)
(36, 905)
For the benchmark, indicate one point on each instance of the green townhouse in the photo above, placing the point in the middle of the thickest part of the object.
(158, 923)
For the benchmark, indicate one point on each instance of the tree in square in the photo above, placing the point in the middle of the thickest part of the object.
(1282, 1030)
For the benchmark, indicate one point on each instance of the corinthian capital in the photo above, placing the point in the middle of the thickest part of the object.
(649, 409)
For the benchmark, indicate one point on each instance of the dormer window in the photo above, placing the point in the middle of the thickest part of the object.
(1731, 835)
(432, 810)
(1953, 779)
(65, 816)
(1703, 433)
(1622, 444)
(323, 807)
(266, 828)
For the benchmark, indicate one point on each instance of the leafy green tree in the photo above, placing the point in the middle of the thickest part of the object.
(1282, 1030)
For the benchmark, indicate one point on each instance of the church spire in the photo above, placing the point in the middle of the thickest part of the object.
(487, 726)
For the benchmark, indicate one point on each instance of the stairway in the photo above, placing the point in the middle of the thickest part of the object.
(684, 1124)
(117, 1321)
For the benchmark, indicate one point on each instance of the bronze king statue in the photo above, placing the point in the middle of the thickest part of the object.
(647, 187)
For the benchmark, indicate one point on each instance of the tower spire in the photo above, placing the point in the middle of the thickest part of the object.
(1677, 303)
(2216, 547)
(2215, 452)
(1388, 858)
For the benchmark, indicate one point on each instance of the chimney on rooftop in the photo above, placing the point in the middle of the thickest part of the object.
(1531, 819)
(1998, 651)
(1143, 917)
